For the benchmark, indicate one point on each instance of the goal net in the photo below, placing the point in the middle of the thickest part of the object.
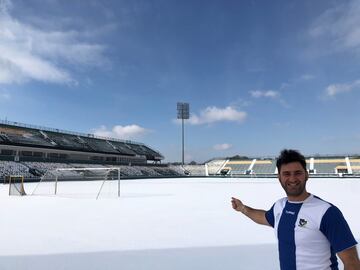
(16, 185)
(103, 182)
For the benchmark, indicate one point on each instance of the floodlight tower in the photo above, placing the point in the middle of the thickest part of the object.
(182, 113)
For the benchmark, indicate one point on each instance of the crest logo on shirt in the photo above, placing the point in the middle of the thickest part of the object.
(302, 222)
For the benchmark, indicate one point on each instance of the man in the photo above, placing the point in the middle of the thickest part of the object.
(310, 231)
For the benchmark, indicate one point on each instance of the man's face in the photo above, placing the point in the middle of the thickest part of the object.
(293, 179)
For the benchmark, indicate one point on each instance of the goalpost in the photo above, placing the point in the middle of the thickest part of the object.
(49, 182)
(16, 185)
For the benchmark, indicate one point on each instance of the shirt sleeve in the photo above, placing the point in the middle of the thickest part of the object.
(334, 226)
(269, 215)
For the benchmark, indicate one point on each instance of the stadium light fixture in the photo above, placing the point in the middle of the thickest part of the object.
(183, 114)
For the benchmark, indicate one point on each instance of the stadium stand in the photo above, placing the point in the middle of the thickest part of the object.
(318, 167)
(36, 170)
(32, 151)
(238, 166)
(195, 170)
(145, 151)
(8, 168)
(355, 165)
(35, 152)
(20, 136)
(98, 145)
(215, 165)
(264, 167)
(178, 169)
(123, 148)
(25, 140)
(329, 165)
(68, 141)
(167, 171)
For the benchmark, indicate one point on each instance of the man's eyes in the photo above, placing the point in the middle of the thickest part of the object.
(297, 173)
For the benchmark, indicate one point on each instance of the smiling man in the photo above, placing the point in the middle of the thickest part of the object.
(310, 231)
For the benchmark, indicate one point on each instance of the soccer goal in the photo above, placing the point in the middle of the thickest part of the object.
(102, 181)
(16, 185)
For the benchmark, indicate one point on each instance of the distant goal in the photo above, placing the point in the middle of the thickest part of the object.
(16, 185)
(102, 181)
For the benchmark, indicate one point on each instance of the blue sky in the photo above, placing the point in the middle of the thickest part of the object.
(259, 75)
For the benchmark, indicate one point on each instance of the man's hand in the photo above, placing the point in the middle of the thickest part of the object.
(237, 205)
(257, 215)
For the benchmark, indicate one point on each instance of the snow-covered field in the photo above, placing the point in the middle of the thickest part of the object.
(155, 224)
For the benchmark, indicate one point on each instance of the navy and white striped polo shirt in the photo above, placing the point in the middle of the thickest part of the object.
(309, 233)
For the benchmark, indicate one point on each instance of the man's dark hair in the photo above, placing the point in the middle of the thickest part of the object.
(290, 155)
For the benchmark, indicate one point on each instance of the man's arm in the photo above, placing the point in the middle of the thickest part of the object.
(350, 258)
(257, 215)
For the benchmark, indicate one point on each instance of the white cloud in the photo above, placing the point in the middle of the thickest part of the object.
(17, 67)
(121, 132)
(335, 89)
(30, 53)
(275, 95)
(339, 27)
(267, 93)
(222, 147)
(214, 114)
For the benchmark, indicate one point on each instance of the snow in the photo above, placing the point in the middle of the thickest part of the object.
(155, 224)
